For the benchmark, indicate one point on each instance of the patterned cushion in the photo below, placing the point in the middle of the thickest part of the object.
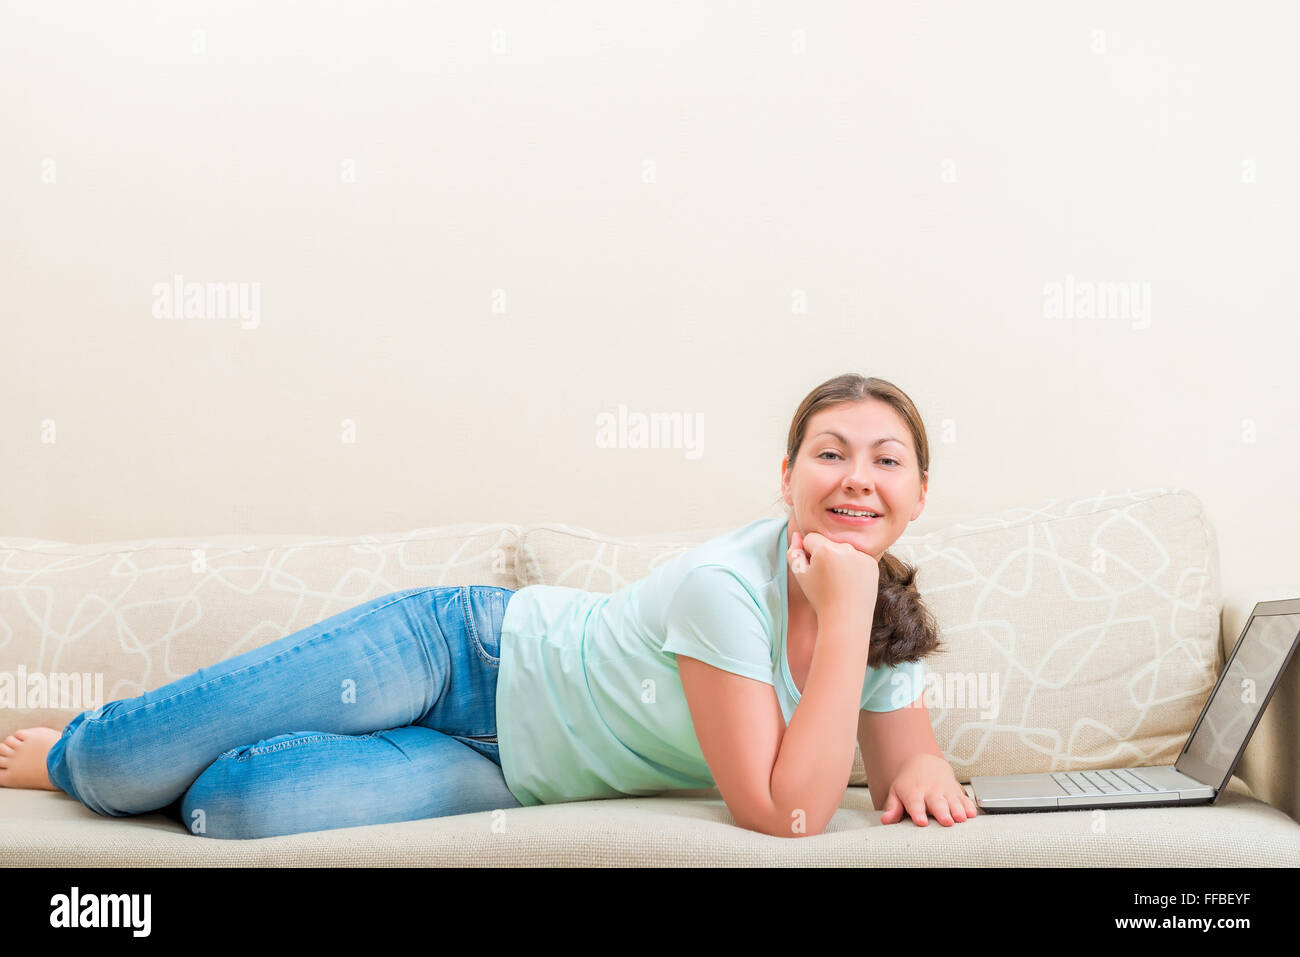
(133, 616)
(1079, 634)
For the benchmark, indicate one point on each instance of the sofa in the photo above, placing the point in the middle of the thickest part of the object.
(1078, 634)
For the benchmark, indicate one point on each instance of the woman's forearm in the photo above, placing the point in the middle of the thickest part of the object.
(815, 759)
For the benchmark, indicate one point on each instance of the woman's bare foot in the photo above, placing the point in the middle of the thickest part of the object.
(22, 758)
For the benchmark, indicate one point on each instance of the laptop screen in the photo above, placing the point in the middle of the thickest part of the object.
(1238, 700)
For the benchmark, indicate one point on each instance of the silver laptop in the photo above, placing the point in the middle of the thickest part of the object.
(1208, 757)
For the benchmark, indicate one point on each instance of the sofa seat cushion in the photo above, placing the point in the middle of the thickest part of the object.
(679, 829)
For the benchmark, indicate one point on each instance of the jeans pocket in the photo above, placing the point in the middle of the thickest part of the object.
(485, 745)
(481, 621)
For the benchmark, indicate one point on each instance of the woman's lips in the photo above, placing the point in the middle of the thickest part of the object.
(852, 519)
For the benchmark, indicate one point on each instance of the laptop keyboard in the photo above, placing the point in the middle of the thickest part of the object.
(1120, 781)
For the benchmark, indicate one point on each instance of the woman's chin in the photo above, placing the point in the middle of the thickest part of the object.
(857, 541)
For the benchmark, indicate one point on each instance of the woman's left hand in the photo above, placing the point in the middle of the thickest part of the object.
(927, 780)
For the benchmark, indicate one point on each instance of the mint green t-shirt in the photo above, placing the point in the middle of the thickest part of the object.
(589, 701)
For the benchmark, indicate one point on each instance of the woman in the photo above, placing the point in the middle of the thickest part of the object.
(486, 698)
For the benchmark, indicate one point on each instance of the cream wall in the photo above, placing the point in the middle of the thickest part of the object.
(474, 228)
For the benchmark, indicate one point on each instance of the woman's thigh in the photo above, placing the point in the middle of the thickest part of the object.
(316, 781)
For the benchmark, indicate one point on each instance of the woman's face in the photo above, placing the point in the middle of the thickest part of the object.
(870, 464)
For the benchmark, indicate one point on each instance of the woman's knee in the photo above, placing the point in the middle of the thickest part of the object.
(224, 801)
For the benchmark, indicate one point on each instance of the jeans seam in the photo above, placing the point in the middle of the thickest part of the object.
(399, 596)
(478, 650)
(254, 750)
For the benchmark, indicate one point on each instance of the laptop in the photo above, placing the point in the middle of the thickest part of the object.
(1209, 755)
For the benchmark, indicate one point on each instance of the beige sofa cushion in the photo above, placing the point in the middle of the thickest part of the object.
(1080, 634)
(683, 829)
(136, 615)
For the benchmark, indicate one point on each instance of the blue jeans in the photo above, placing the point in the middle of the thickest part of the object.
(384, 712)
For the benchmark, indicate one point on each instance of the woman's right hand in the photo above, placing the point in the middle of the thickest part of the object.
(839, 580)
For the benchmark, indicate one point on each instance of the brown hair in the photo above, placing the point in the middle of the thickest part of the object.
(902, 628)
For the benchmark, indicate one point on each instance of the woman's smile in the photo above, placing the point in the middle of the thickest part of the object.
(853, 519)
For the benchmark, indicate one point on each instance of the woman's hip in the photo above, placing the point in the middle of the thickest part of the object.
(469, 618)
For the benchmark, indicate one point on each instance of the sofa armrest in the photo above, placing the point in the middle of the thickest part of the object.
(1270, 767)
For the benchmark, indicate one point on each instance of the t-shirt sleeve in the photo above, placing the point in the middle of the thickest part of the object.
(888, 689)
(714, 618)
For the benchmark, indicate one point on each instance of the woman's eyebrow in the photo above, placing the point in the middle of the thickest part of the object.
(875, 444)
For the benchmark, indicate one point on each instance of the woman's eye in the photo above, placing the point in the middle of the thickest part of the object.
(886, 458)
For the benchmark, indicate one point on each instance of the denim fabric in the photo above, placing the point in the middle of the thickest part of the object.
(384, 712)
